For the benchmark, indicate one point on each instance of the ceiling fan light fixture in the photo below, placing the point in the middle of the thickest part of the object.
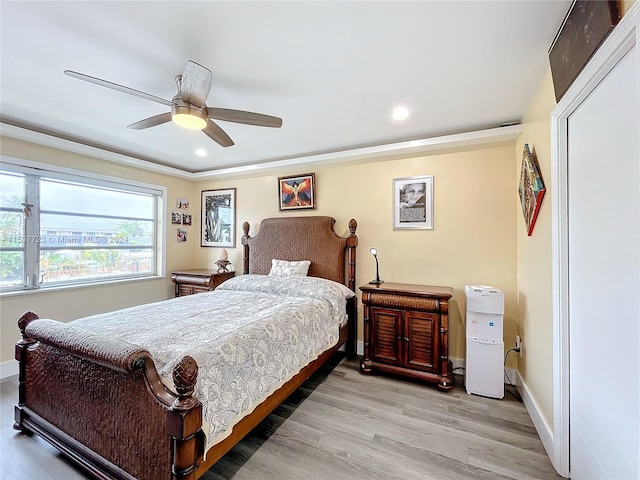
(188, 117)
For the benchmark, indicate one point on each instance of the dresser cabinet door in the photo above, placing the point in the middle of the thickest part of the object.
(421, 350)
(183, 290)
(386, 339)
(199, 289)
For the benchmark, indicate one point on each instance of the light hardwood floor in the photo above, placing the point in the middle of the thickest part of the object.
(344, 425)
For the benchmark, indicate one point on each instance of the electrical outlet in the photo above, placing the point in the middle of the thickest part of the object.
(519, 343)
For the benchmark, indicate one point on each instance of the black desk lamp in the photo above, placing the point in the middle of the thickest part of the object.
(374, 251)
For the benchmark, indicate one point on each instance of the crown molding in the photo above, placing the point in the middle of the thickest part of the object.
(386, 151)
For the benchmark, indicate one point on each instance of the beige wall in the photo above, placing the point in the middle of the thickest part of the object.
(474, 239)
(68, 304)
(624, 6)
(535, 320)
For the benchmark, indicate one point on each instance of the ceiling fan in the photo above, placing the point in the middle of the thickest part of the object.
(188, 107)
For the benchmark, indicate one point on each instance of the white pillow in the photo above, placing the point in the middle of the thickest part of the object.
(283, 268)
(346, 291)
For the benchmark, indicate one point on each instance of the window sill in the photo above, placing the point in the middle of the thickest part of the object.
(70, 287)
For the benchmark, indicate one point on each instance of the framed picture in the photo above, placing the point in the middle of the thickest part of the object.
(182, 203)
(176, 217)
(413, 203)
(297, 192)
(218, 221)
(587, 24)
(530, 189)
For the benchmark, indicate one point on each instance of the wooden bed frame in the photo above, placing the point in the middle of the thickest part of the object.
(102, 403)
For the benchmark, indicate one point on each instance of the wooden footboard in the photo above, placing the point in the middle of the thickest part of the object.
(102, 403)
(118, 420)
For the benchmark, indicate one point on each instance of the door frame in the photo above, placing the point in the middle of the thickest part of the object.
(622, 39)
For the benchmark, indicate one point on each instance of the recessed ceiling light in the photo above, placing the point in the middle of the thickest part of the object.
(400, 113)
(201, 152)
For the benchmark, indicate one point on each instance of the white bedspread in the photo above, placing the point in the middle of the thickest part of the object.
(249, 337)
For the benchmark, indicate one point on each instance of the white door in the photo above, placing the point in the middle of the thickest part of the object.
(603, 172)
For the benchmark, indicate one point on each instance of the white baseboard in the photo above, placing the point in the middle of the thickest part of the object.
(8, 369)
(542, 427)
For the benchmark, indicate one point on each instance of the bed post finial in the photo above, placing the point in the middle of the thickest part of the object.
(26, 318)
(184, 422)
(185, 375)
(352, 227)
(245, 247)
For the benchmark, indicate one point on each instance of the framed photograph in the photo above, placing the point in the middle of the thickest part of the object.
(182, 203)
(181, 235)
(186, 219)
(530, 189)
(176, 217)
(413, 203)
(218, 218)
(297, 192)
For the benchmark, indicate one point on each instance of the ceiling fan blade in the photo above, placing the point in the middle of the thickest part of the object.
(215, 133)
(115, 86)
(247, 118)
(151, 121)
(196, 84)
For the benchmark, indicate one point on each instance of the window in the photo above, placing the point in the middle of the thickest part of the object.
(58, 228)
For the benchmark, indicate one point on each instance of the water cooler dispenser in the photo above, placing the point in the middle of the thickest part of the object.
(484, 365)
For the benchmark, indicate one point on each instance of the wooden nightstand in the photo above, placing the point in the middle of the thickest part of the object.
(406, 331)
(189, 282)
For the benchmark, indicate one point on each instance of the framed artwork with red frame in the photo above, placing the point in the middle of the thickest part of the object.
(531, 189)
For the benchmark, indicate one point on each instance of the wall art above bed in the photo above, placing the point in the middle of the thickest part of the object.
(297, 192)
(218, 223)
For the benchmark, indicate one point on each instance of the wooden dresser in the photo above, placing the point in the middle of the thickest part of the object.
(406, 331)
(188, 282)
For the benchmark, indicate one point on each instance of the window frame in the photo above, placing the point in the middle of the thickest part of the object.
(31, 261)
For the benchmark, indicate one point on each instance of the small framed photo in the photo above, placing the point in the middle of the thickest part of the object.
(186, 219)
(218, 223)
(297, 192)
(176, 217)
(182, 203)
(181, 235)
(413, 203)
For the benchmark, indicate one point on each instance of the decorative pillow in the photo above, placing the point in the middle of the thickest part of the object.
(283, 268)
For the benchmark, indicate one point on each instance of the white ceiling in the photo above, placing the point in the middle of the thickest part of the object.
(332, 70)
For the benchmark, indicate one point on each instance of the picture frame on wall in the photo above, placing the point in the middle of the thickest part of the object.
(413, 203)
(297, 192)
(531, 188)
(218, 222)
(585, 27)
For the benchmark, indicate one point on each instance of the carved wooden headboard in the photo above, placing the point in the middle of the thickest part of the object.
(302, 238)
